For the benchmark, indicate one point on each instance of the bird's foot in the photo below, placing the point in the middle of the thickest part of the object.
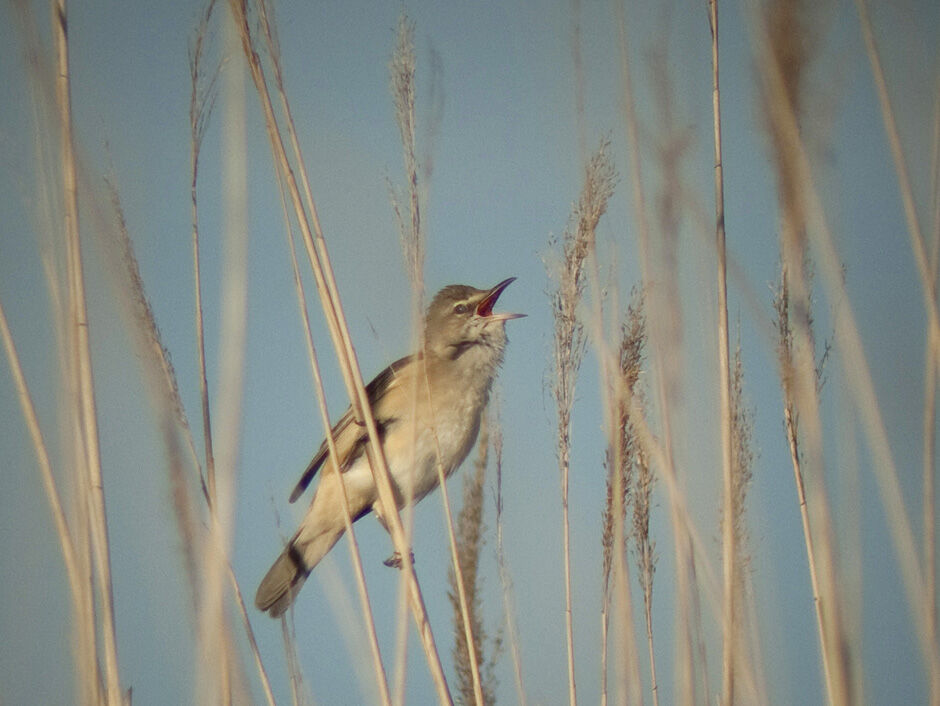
(394, 561)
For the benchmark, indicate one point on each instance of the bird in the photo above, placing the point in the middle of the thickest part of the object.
(427, 408)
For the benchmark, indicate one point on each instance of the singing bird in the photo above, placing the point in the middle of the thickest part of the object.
(427, 409)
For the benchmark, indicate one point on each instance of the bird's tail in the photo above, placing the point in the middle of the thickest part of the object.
(282, 582)
(286, 576)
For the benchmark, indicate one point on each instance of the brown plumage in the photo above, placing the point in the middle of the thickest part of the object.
(424, 405)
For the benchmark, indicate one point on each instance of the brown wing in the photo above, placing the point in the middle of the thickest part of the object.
(349, 436)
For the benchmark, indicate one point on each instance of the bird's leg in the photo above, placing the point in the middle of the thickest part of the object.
(394, 561)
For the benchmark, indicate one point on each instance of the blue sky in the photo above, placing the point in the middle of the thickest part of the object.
(507, 167)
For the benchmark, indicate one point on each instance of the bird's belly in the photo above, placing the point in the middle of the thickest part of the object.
(415, 467)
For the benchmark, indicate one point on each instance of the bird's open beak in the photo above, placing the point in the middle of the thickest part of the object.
(485, 307)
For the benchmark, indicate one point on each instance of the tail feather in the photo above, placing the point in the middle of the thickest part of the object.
(286, 576)
(282, 582)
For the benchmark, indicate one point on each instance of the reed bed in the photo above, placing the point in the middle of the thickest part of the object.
(676, 485)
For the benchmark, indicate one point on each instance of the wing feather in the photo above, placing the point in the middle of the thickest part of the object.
(349, 436)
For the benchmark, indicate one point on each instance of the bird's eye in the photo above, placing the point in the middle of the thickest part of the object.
(461, 309)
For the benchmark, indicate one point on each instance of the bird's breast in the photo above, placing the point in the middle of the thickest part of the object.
(445, 438)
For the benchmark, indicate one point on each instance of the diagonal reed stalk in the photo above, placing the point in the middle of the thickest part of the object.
(339, 332)
(746, 656)
(365, 604)
(855, 364)
(85, 413)
(66, 544)
(918, 243)
(927, 269)
(45, 114)
(202, 100)
(788, 57)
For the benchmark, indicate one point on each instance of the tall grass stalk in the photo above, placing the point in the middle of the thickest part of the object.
(576, 244)
(666, 337)
(401, 70)
(729, 552)
(782, 307)
(339, 331)
(788, 52)
(353, 543)
(621, 461)
(645, 551)
(468, 609)
(496, 431)
(930, 409)
(202, 99)
(734, 513)
(85, 412)
(402, 82)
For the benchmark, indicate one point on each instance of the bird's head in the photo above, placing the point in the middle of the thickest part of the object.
(461, 317)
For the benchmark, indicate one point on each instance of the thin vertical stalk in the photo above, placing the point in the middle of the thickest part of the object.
(458, 569)
(619, 375)
(85, 410)
(253, 644)
(930, 416)
(504, 578)
(728, 550)
(566, 550)
(215, 682)
(402, 69)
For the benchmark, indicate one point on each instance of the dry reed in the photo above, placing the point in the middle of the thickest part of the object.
(790, 51)
(470, 539)
(729, 549)
(570, 341)
(496, 431)
(273, 50)
(622, 459)
(85, 417)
